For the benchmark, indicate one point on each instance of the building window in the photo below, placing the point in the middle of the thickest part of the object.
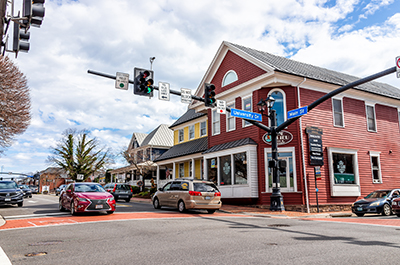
(371, 118)
(240, 168)
(229, 78)
(287, 177)
(279, 105)
(181, 170)
(215, 122)
(203, 128)
(225, 170)
(212, 169)
(247, 106)
(337, 112)
(181, 135)
(375, 167)
(343, 172)
(191, 132)
(230, 120)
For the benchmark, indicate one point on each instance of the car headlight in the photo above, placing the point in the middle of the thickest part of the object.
(375, 203)
(81, 199)
(111, 199)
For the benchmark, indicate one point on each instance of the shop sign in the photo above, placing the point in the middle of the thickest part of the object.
(283, 137)
(315, 146)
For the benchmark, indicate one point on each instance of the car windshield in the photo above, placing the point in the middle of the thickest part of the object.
(89, 188)
(23, 186)
(123, 187)
(378, 194)
(8, 185)
(205, 187)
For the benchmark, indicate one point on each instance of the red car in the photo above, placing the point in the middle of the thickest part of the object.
(86, 197)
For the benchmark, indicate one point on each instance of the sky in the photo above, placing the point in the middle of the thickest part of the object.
(356, 37)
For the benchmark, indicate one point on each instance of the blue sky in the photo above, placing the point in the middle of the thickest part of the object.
(352, 36)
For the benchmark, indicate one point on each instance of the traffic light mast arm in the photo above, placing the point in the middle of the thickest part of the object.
(337, 91)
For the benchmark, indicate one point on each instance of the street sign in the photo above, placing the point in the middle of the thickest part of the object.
(221, 106)
(122, 81)
(315, 146)
(186, 95)
(246, 114)
(297, 112)
(398, 66)
(79, 176)
(163, 91)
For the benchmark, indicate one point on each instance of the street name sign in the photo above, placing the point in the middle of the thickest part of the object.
(246, 114)
(122, 81)
(221, 106)
(163, 91)
(297, 112)
(398, 66)
(186, 95)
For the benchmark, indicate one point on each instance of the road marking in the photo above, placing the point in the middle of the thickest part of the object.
(33, 215)
(4, 260)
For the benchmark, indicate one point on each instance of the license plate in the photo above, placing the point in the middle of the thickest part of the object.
(8, 199)
(207, 198)
(394, 203)
(359, 209)
(99, 206)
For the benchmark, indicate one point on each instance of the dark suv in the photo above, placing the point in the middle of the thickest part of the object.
(10, 193)
(119, 191)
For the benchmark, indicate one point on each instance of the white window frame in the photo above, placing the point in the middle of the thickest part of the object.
(281, 150)
(377, 155)
(229, 116)
(374, 118)
(341, 113)
(244, 123)
(205, 128)
(226, 74)
(191, 132)
(181, 132)
(344, 190)
(215, 122)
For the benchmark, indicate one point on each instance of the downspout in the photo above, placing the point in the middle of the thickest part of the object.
(302, 147)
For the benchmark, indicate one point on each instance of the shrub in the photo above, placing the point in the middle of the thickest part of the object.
(135, 189)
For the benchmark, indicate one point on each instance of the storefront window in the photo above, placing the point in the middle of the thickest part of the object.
(343, 169)
(286, 176)
(240, 163)
(226, 170)
(212, 167)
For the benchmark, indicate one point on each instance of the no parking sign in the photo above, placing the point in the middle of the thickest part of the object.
(398, 66)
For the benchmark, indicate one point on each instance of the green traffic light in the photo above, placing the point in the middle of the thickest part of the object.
(121, 85)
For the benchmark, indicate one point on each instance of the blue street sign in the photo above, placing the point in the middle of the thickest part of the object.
(246, 114)
(297, 112)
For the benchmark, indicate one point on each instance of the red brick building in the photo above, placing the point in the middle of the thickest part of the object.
(360, 131)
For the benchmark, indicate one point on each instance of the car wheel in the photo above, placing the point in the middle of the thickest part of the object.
(20, 204)
(156, 203)
(181, 206)
(211, 211)
(116, 198)
(360, 214)
(60, 207)
(386, 210)
(73, 212)
(398, 214)
(128, 200)
(110, 212)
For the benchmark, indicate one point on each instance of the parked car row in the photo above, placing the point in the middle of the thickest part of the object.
(385, 202)
(10, 193)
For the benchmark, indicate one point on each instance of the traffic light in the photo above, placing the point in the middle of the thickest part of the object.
(209, 95)
(143, 83)
(34, 11)
(20, 38)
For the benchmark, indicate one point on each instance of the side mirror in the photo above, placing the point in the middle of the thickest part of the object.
(160, 189)
(68, 191)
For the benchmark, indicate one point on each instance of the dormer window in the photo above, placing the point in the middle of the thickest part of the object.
(229, 78)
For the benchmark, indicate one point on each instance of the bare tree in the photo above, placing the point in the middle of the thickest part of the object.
(77, 154)
(15, 103)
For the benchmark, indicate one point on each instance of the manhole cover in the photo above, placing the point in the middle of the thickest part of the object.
(45, 243)
(36, 254)
(278, 225)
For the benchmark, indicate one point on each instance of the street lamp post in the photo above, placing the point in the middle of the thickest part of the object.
(276, 196)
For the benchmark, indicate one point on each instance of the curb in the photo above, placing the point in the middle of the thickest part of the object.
(2, 221)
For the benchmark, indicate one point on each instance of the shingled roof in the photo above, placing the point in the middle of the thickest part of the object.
(189, 115)
(187, 148)
(289, 66)
(233, 144)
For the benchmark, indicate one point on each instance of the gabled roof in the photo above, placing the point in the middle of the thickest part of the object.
(233, 144)
(189, 115)
(289, 66)
(161, 136)
(187, 148)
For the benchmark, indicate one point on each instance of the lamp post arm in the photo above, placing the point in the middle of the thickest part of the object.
(337, 91)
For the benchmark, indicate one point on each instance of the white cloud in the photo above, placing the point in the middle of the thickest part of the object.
(116, 36)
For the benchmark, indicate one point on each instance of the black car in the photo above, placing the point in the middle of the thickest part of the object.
(378, 202)
(26, 190)
(10, 193)
(119, 191)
